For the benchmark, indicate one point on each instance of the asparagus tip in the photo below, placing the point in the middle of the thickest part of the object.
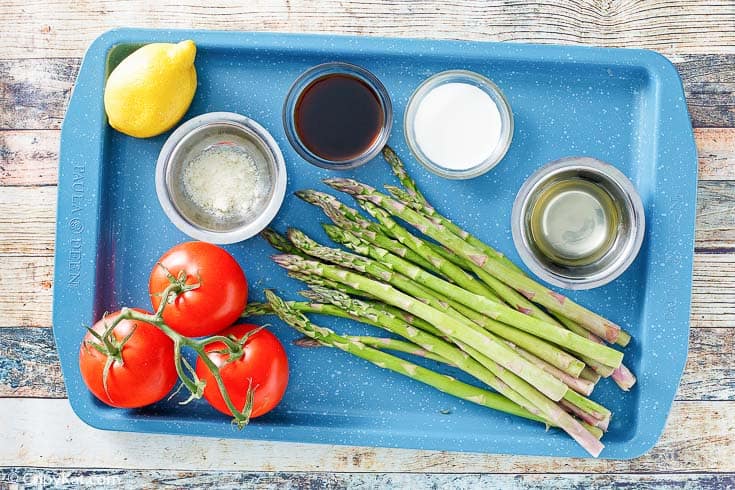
(306, 342)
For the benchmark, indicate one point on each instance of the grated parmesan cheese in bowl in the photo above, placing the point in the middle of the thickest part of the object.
(223, 181)
(220, 178)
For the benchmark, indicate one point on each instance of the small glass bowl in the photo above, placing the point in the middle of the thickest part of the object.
(623, 247)
(320, 71)
(205, 131)
(470, 78)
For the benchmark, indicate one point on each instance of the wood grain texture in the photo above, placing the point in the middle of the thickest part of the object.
(715, 228)
(25, 290)
(59, 28)
(29, 158)
(34, 93)
(699, 438)
(224, 480)
(710, 372)
(713, 290)
(29, 365)
(27, 221)
(716, 151)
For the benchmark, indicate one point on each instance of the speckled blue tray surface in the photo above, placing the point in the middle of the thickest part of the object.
(626, 107)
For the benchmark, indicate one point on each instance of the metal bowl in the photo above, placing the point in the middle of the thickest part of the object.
(625, 241)
(205, 131)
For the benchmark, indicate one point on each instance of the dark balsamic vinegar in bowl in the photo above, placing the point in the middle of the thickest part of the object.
(338, 117)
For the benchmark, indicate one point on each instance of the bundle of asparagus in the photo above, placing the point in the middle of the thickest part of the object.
(455, 300)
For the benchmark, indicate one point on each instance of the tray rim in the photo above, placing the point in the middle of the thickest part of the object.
(663, 72)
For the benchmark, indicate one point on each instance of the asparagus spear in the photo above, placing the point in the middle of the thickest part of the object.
(556, 356)
(526, 286)
(260, 309)
(400, 171)
(341, 305)
(524, 306)
(313, 280)
(343, 215)
(546, 383)
(447, 324)
(427, 341)
(412, 197)
(279, 242)
(481, 304)
(441, 382)
(589, 375)
(386, 343)
(355, 237)
(622, 376)
(368, 231)
(581, 386)
(329, 203)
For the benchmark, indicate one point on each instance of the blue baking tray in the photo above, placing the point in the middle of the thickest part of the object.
(626, 107)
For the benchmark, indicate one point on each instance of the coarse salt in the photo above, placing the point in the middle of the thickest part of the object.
(457, 126)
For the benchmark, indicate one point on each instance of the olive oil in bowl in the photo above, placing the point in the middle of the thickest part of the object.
(578, 223)
(574, 221)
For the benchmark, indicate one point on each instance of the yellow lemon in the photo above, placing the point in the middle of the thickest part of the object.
(151, 90)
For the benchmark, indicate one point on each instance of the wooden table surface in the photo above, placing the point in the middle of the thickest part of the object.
(41, 43)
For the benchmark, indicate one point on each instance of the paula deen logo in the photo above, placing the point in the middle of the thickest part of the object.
(75, 225)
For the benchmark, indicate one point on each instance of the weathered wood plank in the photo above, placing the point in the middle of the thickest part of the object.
(713, 291)
(29, 365)
(27, 221)
(32, 157)
(699, 438)
(715, 216)
(58, 28)
(709, 82)
(716, 149)
(34, 93)
(224, 480)
(711, 104)
(705, 68)
(25, 291)
(710, 372)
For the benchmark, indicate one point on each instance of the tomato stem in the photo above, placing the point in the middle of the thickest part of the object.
(190, 380)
